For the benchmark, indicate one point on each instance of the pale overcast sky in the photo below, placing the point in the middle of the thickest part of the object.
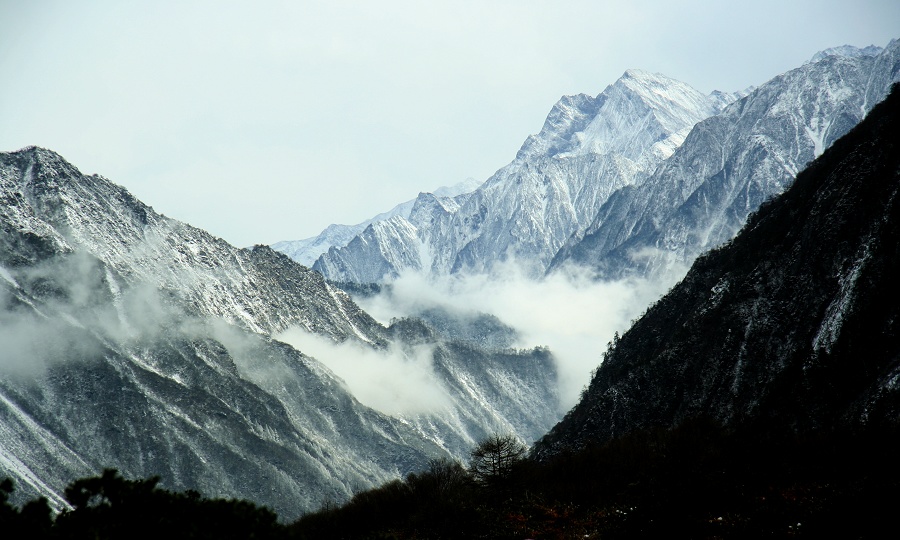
(265, 121)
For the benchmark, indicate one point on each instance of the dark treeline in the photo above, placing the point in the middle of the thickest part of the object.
(696, 481)
(111, 507)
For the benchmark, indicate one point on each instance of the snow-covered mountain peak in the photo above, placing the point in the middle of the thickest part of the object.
(45, 201)
(724, 99)
(620, 118)
(428, 206)
(731, 162)
(592, 147)
(52, 165)
(307, 250)
(640, 80)
(45, 155)
(662, 91)
(643, 117)
(846, 50)
(569, 115)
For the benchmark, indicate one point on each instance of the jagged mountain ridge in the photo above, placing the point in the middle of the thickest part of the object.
(138, 342)
(588, 148)
(306, 251)
(792, 327)
(731, 163)
(390, 246)
(48, 197)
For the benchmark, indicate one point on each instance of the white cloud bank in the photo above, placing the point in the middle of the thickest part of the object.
(393, 381)
(568, 311)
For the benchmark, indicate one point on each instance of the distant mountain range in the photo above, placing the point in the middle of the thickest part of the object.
(731, 163)
(645, 176)
(588, 148)
(308, 250)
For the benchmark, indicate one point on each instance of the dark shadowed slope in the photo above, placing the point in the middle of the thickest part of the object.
(793, 326)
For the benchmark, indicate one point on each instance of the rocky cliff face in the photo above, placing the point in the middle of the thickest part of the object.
(792, 327)
(134, 341)
(732, 162)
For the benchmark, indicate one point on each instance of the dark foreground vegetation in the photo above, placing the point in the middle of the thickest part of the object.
(697, 481)
(111, 507)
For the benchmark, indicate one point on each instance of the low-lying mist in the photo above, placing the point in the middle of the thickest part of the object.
(75, 309)
(394, 381)
(569, 311)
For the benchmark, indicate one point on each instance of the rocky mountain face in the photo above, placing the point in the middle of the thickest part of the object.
(791, 328)
(732, 162)
(588, 148)
(134, 341)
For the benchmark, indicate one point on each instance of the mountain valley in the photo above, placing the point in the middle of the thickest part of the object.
(304, 375)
